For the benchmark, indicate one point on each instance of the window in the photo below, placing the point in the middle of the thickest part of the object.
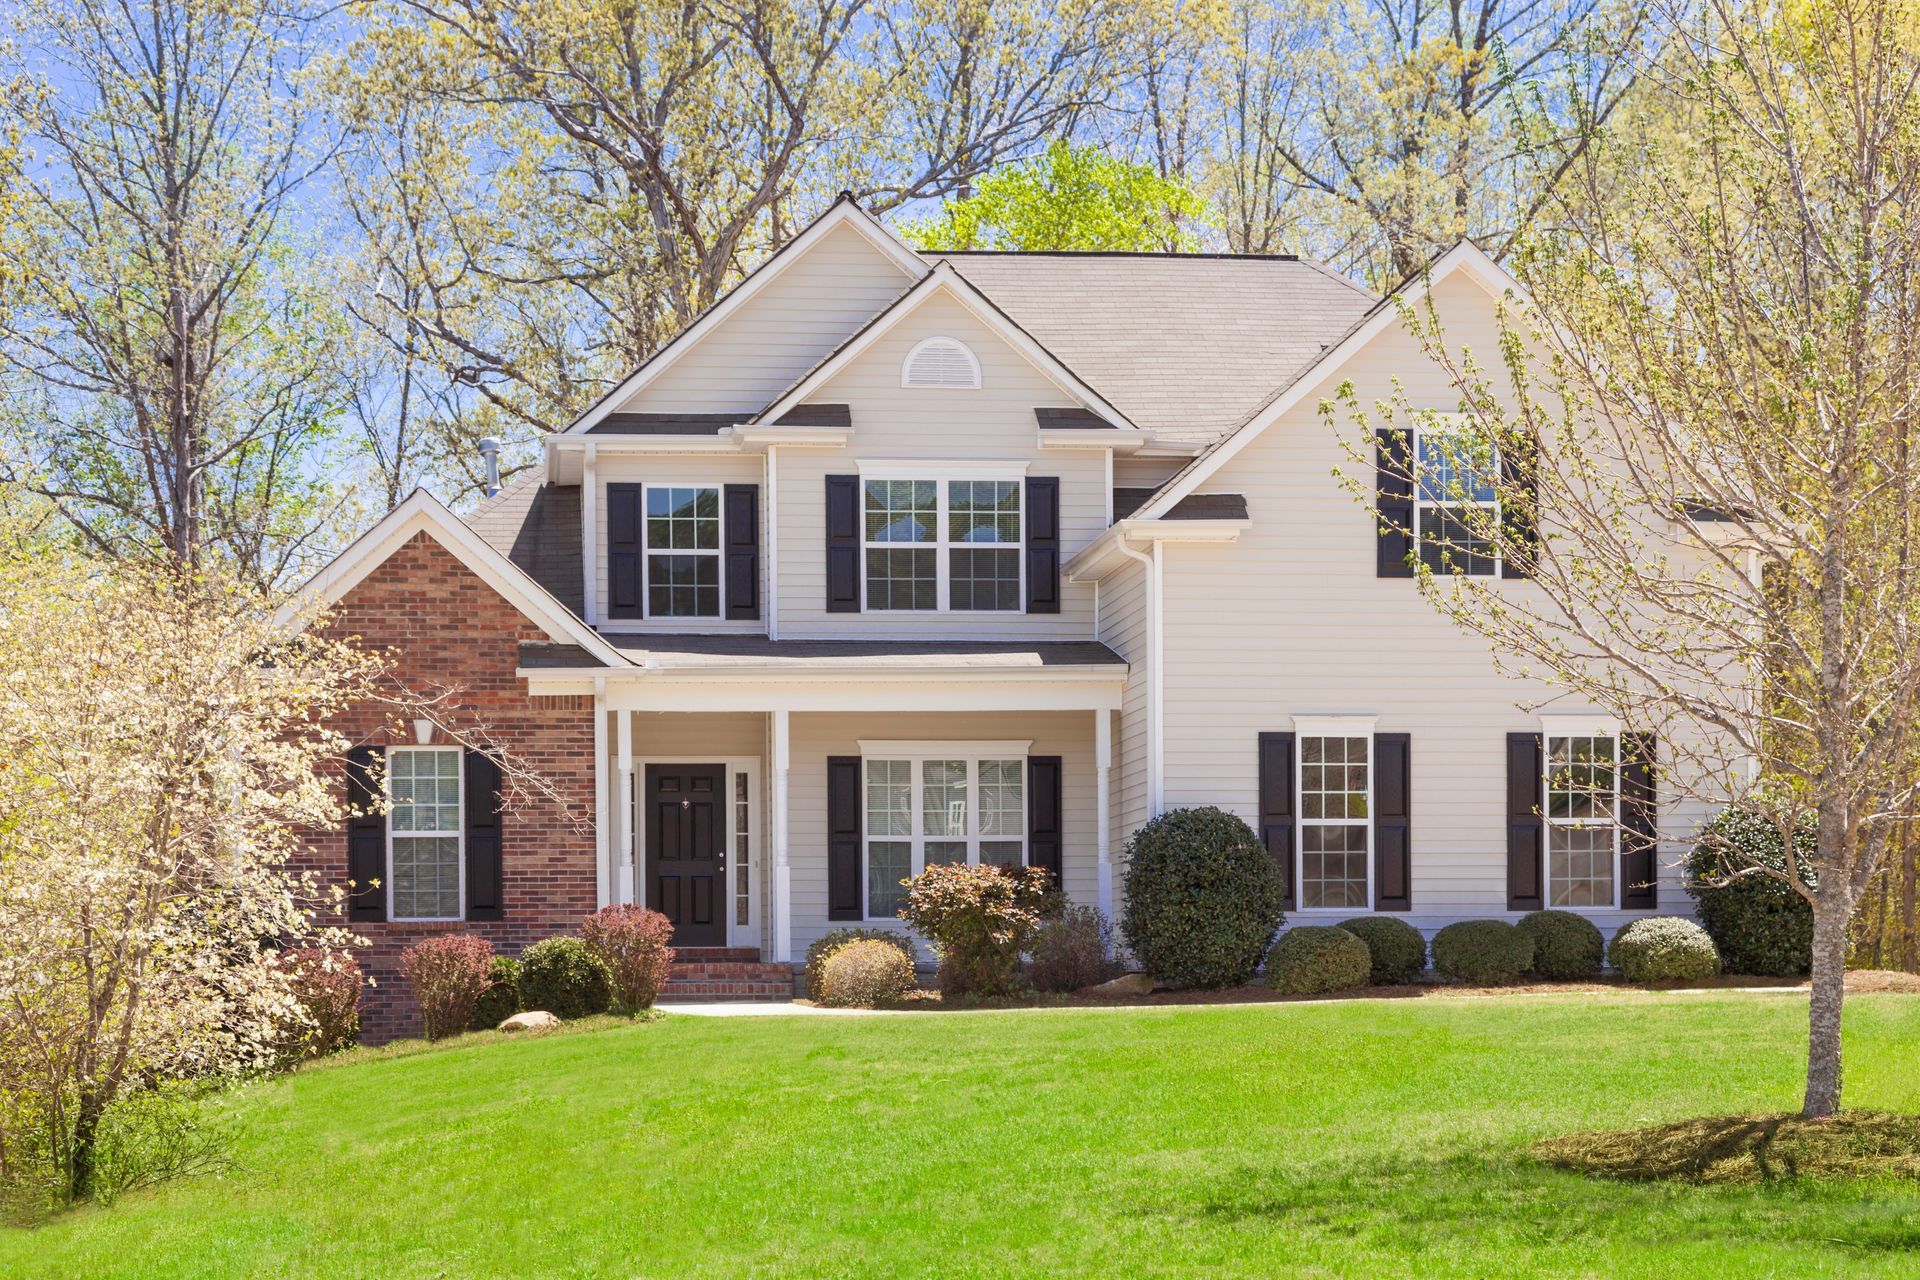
(1335, 818)
(951, 804)
(933, 545)
(940, 363)
(1455, 496)
(742, 882)
(1582, 811)
(424, 873)
(683, 551)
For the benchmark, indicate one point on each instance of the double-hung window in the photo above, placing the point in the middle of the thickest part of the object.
(425, 867)
(1456, 498)
(683, 551)
(928, 804)
(1336, 787)
(941, 544)
(1582, 817)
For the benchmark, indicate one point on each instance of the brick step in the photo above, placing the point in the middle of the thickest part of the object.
(731, 971)
(694, 992)
(703, 955)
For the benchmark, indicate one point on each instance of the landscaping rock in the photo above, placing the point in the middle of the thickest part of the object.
(532, 1020)
(1127, 984)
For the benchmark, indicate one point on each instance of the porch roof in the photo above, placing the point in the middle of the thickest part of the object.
(749, 653)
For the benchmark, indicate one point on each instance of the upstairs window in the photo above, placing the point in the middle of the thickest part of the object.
(1583, 818)
(1456, 472)
(940, 363)
(942, 545)
(683, 551)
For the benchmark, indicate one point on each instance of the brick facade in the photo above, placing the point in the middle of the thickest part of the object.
(447, 629)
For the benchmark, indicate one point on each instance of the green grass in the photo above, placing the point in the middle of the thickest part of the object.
(1363, 1139)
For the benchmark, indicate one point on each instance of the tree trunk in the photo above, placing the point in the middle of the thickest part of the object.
(1823, 1012)
(86, 1133)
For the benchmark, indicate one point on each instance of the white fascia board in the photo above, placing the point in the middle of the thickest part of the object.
(1094, 438)
(1465, 256)
(757, 437)
(1104, 553)
(943, 279)
(723, 441)
(420, 513)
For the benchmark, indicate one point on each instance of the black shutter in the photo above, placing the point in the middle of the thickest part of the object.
(1393, 500)
(624, 516)
(843, 838)
(1525, 769)
(1639, 822)
(1043, 544)
(366, 835)
(484, 900)
(843, 546)
(743, 550)
(1519, 519)
(1392, 800)
(1045, 838)
(1276, 804)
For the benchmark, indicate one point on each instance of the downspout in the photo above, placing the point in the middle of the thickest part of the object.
(1150, 577)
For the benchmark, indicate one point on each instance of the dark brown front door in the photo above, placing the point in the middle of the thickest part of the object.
(686, 822)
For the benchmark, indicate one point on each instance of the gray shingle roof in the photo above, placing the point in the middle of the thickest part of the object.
(758, 651)
(667, 424)
(1186, 345)
(537, 526)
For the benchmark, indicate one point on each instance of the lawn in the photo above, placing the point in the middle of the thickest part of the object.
(1368, 1139)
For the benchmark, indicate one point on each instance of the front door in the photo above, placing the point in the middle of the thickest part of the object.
(686, 820)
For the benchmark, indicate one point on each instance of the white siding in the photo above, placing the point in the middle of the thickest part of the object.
(1123, 626)
(701, 469)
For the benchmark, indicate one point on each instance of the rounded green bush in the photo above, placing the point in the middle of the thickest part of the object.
(1312, 959)
(501, 999)
(1399, 951)
(1204, 898)
(1664, 949)
(1760, 925)
(833, 939)
(562, 977)
(1566, 947)
(1482, 951)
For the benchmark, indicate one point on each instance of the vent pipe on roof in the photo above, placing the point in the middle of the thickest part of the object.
(490, 454)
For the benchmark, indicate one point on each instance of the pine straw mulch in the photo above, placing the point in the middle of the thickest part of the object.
(1765, 1147)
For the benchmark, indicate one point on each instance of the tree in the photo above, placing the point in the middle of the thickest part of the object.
(1068, 198)
(1709, 408)
(165, 355)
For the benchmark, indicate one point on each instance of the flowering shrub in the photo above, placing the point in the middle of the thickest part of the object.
(832, 940)
(501, 999)
(863, 973)
(1072, 950)
(632, 942)
(326, 984)
(448, 975)
(1664, 949)
(978, 920)
(565, 979)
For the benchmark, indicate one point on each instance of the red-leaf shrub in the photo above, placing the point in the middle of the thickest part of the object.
(327, 985)
(1072, 950)
(448, 975)
(979, 920)
(632, 942)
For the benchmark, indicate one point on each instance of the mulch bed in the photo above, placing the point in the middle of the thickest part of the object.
(1764, 1147)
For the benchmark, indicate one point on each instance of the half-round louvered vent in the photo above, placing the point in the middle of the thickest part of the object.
(940, 362)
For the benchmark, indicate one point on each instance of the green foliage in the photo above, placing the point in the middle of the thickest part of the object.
(863, 973)
(1482, 951)
(1312, 959)
(1758, 922)
(152, 1135)
(978, 920)
(1565, 946)
(1068, 198)
(1664, 949)
(1072, 950)
(562, 977)
(1399, 950)
(834, 939)
(1204, 898)
(501, 999)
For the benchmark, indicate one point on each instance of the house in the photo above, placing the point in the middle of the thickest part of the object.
(895, 558)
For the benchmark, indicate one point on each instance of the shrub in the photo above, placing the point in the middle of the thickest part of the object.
(501, 999)
(1565, 946)
(327, 984)
(1398, 949)
(632, 942)
(1758, 922)
(562, 977)
(1664, 949)
(863, 973)
(1072, 950)
(1311, 959)
(979, 920)
(834, 939)
(448, 975)
(1482, 951)
(1204, 898)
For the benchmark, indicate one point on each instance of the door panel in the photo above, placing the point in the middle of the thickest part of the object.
(686, 849)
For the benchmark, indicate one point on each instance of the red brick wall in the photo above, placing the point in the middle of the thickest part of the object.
(446, 628)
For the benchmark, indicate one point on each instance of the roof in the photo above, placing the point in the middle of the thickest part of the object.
(536, 525)
(1186, 345)
(740, 651)
(667, 424)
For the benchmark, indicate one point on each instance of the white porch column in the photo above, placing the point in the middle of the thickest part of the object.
(782, 870)
(1103, 802)
(602, 870)
(623, 820)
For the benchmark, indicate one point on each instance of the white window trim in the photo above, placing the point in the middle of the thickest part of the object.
(906, 364)
(647, 552)
(1578, 726)
(942, 475)
(460, 835)
(921, 752)
(1305, 727)
(1449, 424)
